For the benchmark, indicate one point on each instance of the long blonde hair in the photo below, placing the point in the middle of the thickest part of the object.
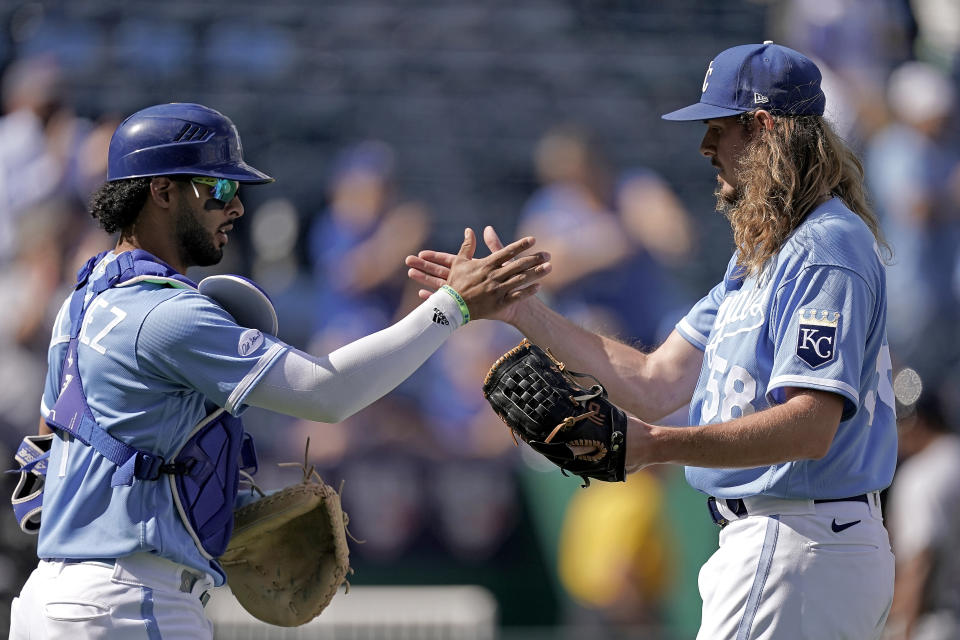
(783, 175)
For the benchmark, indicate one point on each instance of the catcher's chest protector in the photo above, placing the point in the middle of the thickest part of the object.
(204, 473)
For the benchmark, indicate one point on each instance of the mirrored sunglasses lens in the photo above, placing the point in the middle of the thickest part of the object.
(224, 190)
(221, 189)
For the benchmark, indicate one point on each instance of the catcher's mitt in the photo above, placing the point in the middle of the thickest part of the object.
(538, 398)
(288, 554)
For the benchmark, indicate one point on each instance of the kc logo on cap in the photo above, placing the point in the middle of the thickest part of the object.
(744, 77)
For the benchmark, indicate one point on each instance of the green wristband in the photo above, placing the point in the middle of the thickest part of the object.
(464, 311)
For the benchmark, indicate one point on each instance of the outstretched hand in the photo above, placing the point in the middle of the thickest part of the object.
(488, 285)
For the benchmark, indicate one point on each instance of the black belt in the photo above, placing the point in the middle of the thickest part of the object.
(737, 506)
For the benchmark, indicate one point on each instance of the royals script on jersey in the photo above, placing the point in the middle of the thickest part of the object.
(815, 317)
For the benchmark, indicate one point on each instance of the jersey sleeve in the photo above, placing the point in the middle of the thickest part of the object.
(696, 325)
(190, 340)
(819, 330)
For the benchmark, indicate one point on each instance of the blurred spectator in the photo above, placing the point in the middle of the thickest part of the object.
(571, 214)
(864, 38)
(27, 286)
(39, 136)
(644, 288)
(474, 485)
(356, 250)
(615, 555)
(87, 167)
(611, 245)
(432, 458)
(30, 290)
(463, 425)
(386, 497)
(855, 112)
(856, 43)
(924, 520)
(654, 217)
(913, 176)
(276, 265)
(477, 506)
(938, 32)
(360, 295)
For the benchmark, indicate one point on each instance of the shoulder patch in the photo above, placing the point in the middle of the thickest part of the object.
(250, 341)
(817, 336)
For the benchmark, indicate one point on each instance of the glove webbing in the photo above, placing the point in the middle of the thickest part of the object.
(595, 390)
(568, 372)
(569, 421)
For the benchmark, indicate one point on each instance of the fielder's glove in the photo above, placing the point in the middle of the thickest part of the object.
(288, 554)
(538, 398)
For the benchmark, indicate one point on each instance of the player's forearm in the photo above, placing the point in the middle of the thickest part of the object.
(648, 385)
(334, 387)
(801, 428)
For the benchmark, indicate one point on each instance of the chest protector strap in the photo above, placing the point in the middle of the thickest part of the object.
(204, 473)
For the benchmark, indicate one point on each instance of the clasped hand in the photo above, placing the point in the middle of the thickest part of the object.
(487, 285)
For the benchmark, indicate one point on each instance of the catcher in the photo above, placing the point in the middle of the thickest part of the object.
(141, 447)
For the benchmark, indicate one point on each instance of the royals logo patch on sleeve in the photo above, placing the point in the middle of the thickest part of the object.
(817, 336)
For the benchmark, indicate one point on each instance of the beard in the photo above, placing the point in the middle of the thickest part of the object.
(196, 243)
(727, 202)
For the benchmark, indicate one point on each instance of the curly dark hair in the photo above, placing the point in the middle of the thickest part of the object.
(116, 205)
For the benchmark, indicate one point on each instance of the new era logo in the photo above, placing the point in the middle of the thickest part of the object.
(439, 318)
(759, 98)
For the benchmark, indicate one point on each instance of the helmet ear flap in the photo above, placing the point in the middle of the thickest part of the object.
(179, 139)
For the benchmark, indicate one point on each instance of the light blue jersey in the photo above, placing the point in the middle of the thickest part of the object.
(814, 318)
(154, 360)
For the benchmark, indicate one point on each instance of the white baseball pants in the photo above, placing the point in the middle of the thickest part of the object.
(793, 569)
(140, 596)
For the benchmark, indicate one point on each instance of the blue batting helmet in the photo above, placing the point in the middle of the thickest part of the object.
(179, 138)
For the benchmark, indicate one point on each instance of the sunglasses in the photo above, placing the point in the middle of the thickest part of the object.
(221, 189)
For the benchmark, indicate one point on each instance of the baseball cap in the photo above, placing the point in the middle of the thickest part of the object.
(757, 76)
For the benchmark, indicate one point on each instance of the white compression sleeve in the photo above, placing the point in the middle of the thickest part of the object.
(334, 387)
